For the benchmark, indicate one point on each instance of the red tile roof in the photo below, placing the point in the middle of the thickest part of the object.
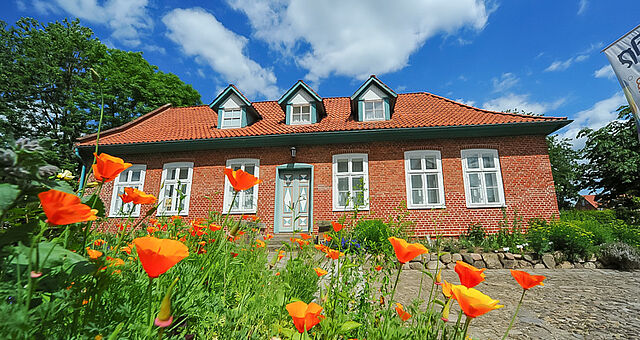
(412, 110)
(591, 199)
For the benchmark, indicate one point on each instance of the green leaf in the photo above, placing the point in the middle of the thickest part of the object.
(427, 273)
(8, 194)
(436, 301)
(54, 258)
(95, 202)
(349, 326)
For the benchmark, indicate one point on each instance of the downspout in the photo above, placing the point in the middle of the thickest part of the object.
(83, 171)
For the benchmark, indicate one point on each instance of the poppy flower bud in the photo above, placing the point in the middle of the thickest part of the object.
(234, 230)
(92, 184)
(164, 318)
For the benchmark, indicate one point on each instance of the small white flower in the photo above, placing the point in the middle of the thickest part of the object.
(519, 246)
(505, 248)
(550, 242)
(525, 244)
(65, 175)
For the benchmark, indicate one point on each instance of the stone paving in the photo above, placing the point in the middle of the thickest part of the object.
(573, 304)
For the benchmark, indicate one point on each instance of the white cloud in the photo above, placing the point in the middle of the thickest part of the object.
(563, 65)
(520, 102)
(202, 36)
(466, 102)
(505, 82)
(357, 38)
(605, 72)
(595, 117)
(127, 19)
(582, 6)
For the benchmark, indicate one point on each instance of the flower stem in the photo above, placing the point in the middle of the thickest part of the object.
(149, 299)
(466, 327)
(393, 291)
(513, 319)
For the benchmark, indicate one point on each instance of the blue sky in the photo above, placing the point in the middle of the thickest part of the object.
(540, 56)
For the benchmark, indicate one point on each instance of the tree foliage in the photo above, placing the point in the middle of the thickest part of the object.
(564, 166)
(46, 89)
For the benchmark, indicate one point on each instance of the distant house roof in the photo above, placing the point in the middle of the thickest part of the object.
(591, 199)
(412, 110)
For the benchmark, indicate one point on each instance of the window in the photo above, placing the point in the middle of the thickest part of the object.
(176, 188)
(133, 177)
(482, 179)
(425, 187)
(231, 118)
(350, 182)
(301, 114)
(373, 110)
(246, 201)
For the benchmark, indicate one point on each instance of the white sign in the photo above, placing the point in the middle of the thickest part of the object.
(624, 56)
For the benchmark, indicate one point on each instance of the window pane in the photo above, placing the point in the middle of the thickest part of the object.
(488, 161)
(250, 168)
(295, 118)
(368, 106)
(306, 109)
(123, 176)
(490, 179)
(343, 184)
(358, 198)
(476, 195)
(343, 198)
(474, 180)
(343, 165)
(472, 162)
(184, 173)
(416, 197)
(432, 196)
(248, 199)
(492, 195)
(416, 181)
(432, 181)
(357, 165)
(430, 163)
(357, 183)
(135, 175)
(415, 164)
(171, 174)
(296, 109)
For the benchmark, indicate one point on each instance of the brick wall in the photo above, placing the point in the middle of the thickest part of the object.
(524, 162)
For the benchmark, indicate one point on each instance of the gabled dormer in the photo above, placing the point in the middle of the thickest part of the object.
(373, 101)
(234, 109)
(301, 104)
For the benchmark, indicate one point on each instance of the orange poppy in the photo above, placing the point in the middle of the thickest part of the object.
(446, 288)
(322, 248)
(472, 302)
(126, 249)
(137, 197)
(405, 251)
(277, 274)
(320, 271)
(469, 275)
(107, 167)
(260, 244)
(333, 254)
(336, 226)
(305, 236)
(159, 255)
(327, 237)
(151, 230)
(304, 316)
(401, 312)
(378, 268)
(527, 280)
(93, 254)
(99, 242)
(281, 254)
(253, 218)
(268, 237)
(64, 208)
(214, 227)
(241, 180)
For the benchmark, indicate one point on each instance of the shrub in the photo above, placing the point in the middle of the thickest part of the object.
(620, 255)
(571, 239)
(538, 236)
(373, 236)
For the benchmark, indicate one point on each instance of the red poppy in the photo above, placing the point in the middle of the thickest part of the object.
(405, 251)
(527, 280)
(159, 255)
(320, 271)
(151, 230)
(327, 236)
(214, 227)
(469, 275)
(234, 254)
(378, 268)
(281, 254)
(196, 230)
(336, 226)
(137, 197)
(268, 237)
(241, 180)
(305, 236)
(107, 167)
(333, 254)
(64, 208)
(304, 316)
(402, 313)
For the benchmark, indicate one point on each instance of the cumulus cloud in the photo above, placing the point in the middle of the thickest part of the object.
(466, 102)
(127, 19)
(563, 65)
(520, 102)
(595, 117)
(504, 82)
(202, 36)
(605, 72)
(357, 38)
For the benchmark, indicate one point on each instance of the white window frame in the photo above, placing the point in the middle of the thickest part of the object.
(301, 114)
(365, 175)
(423, 172)
(165, 182)
(114, 210)
(482, 171)
(225, 122)
(228, 194)
(373, 111)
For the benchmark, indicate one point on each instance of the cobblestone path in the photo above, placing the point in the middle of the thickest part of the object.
(573, 304)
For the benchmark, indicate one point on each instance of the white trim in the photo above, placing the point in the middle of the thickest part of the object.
(228, 196)
(225, 112)
(482, 170)
(301, 122)
(422, 154)
(139, 184)
(364, 110)
(165, 182)
(349, 174)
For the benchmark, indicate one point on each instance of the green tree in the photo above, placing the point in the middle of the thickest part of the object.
(564, 166)
(612, 163)
(46, 89)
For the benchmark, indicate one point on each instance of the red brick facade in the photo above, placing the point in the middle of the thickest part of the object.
(524, 162)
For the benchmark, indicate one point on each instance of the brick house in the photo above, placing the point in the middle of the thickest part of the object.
(444, 164)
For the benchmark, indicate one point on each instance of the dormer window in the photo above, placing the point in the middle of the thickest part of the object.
(231, 118)
(373, 110)
(301, 114)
